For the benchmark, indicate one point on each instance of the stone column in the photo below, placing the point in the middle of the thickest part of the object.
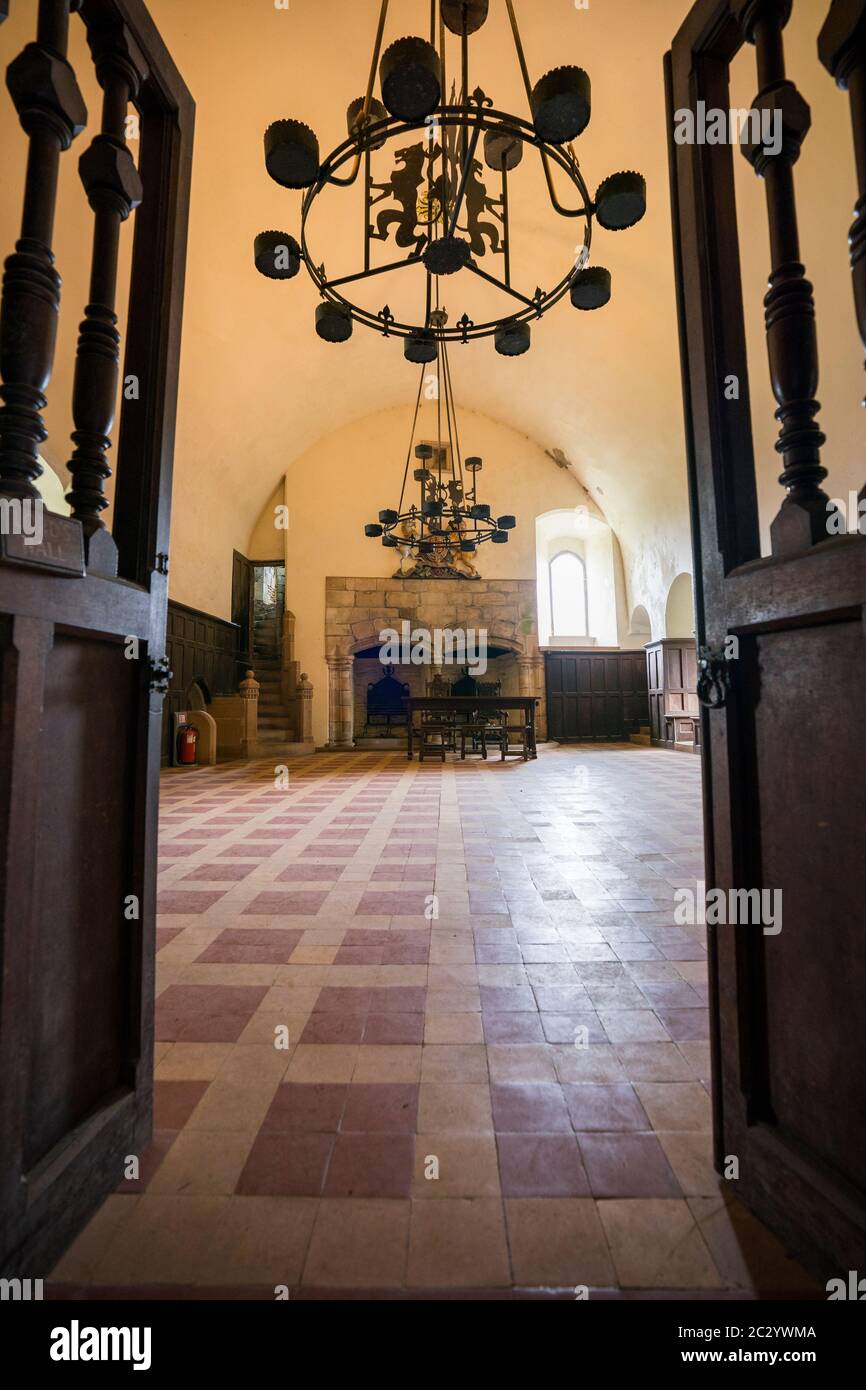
(341, 701)
(305, 708)
(531, 678)
(249, 690)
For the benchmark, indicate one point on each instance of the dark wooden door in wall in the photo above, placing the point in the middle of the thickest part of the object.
(784, 752)
(243, 595)
(672, 675)
(595, 697)
(82, 636)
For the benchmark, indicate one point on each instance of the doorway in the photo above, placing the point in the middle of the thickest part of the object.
(269, 603)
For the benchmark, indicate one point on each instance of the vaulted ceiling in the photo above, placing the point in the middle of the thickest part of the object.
(258, 387)
(602, 387)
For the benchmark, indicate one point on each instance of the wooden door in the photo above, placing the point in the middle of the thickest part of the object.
(785, 766)
(82, 635)
(243, 598)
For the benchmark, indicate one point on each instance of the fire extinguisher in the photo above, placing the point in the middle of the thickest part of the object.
(187, 738)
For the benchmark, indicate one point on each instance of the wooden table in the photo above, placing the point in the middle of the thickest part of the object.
(472, 704)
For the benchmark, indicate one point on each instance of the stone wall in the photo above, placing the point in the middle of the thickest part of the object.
(358, 610)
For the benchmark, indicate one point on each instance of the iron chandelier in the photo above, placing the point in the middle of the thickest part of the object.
(435, 205)
(444, 528)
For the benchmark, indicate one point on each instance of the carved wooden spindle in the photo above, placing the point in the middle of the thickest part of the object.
(789, 307)
(842, 50)
(114, 189)
(52, 112)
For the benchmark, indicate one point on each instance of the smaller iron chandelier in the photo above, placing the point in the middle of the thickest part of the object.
(444, 528)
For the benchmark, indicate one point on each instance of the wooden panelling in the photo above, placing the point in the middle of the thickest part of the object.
(80, 958)
(201, 648)
(595, 697)
(672, 681)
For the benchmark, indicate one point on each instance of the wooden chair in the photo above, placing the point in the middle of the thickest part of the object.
(521, 734)
(476, 730)
(436, 736)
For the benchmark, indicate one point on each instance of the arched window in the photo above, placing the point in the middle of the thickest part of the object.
(568, 600)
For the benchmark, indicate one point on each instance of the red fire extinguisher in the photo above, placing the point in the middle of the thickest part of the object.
(187, 738)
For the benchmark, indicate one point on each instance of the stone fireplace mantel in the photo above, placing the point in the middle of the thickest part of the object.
(359, 610)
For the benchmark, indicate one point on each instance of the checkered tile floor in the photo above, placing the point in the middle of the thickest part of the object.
(426, 1028)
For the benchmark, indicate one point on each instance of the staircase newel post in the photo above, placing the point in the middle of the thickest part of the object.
(249, 689)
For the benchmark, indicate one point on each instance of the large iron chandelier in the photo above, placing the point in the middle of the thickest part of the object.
(434, 204)
(443, 529)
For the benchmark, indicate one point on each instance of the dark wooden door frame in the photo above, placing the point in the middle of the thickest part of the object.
(806, 586)
(242, 604)
(53, 1174)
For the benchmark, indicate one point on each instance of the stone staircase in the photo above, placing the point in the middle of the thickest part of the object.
(643, 738)
(275, 719)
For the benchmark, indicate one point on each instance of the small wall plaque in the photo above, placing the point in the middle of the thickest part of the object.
(61, 549)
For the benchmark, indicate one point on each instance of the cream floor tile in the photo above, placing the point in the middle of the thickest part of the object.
(192, 1061)
(288, 999)
(653, 1061)
(454, 1062)
(455, 1165)
(454, 1108)
(228, 1106)
(313, 955)
(453, 1028)
(690, 1154)
(458, 1243)
(453, 1001)
(260, 1240)
(597, 1062)
(196, 1166)
(632, 1025)
(402, 975)
(255, 1064)
(558, 1242)
(520, 1062)
(228, 974)
(81, 1261)
(697, 1054)
(358, 1244)
(322, 1062)
(266, 1026)
(163, 1242)
(453, 976)
(388, 1063)
(656, 1244)
(675, 1105)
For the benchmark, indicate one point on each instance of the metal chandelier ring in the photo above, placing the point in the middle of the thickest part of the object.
(462, 117)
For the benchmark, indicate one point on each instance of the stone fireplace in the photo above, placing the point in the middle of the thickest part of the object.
(358, 611)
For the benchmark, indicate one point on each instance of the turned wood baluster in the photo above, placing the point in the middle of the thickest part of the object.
(842, 50)
(52, 112)
(113, 189)
(789, 308)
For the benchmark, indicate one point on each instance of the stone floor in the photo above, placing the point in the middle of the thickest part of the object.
(430, 1029)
